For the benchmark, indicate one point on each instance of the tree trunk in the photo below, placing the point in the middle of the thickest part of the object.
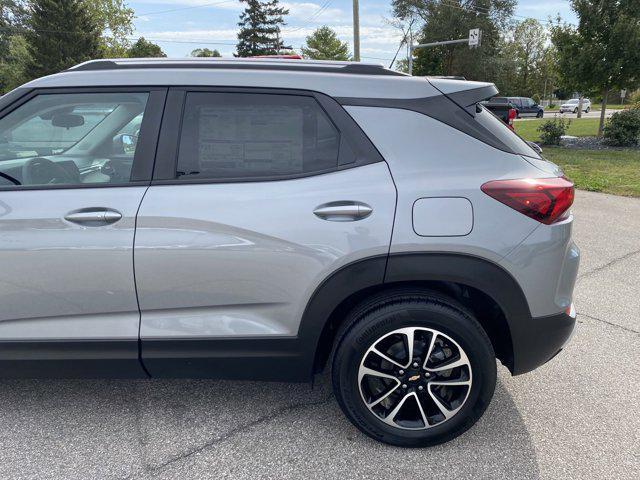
(603, 112)
(580, 106)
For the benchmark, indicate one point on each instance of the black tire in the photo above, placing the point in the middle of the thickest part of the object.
(588, 110)
(385, 313)
(575, 110)
(540, 114)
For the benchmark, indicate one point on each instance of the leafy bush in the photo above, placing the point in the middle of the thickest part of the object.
(623, 129)
(552, 130)
(536, 98)
(552, 105)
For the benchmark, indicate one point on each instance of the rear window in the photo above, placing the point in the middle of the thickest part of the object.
(503, 133)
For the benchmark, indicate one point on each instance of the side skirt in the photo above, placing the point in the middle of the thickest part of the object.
(271, 359)
(70, 359)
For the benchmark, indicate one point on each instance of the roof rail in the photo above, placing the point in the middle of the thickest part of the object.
(235, 64)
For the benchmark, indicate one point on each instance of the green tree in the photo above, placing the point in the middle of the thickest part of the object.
(323, 44)
(205, 52)
(115, 20)
(260, 28)
(603, 52)
(13, 64)
(12, 18)
(529, 39)
(452, 20)
(143, 49)
(61, 34)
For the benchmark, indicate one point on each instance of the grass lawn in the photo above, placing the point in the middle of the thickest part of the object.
(580, 127)
(608, 171)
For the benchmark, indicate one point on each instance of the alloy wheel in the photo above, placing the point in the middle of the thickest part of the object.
(414, 378)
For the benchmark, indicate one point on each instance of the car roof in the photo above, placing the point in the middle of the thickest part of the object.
(334, 78)
(338, 79)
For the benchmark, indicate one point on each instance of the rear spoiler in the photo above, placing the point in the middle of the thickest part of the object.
(465, 94)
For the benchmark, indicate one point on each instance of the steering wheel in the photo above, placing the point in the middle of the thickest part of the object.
(41, 171)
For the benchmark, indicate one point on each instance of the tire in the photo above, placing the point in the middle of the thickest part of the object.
(540, 114)
(588, 110)
(386, 321)
(575, 110)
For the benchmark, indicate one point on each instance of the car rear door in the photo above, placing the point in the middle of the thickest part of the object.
(69, 193)
(258, 196)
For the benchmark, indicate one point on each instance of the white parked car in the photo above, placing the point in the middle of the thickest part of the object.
(572, 106)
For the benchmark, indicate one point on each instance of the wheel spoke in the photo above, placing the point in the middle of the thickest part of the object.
(382, 397)
(375, 373)
(409, 333)
(432, 344)
(460, 362)
(450, 383)
(387, 358)
(392, 414)
(422, 414)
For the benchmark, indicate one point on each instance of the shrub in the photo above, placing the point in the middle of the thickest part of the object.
(552, 130)
(536, 98)
(623, 129)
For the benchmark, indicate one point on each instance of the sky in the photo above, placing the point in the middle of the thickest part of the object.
(179, 26)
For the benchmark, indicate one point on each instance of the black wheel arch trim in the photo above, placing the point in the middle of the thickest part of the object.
(534, 340)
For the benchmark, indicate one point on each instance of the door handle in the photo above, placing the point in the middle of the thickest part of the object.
(93, 217)
(345, 211)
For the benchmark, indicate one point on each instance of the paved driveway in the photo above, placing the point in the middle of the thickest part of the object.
(576, 417)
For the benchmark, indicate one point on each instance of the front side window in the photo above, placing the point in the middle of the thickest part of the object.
(71, 139)
(252, 136)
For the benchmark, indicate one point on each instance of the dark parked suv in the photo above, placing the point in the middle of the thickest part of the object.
(526, 107)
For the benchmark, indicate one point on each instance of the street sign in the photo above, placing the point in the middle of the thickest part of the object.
(474, 37)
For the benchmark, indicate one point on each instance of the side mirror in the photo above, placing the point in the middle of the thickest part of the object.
(67, 120)
(536, 147)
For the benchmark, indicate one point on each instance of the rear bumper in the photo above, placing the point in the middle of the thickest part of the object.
(541, 339)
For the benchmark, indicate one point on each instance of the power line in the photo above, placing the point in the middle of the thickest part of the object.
(321, 10)
(160, 12)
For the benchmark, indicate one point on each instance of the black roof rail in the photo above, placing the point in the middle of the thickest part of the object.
(290, 65)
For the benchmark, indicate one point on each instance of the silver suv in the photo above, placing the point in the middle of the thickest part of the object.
(268, 219)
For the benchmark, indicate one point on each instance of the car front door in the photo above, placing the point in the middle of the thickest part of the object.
(69, 193)
(261, 197)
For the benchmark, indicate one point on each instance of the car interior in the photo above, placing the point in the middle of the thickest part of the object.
(71, 139)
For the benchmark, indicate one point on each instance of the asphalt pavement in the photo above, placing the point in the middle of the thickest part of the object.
(576, 417)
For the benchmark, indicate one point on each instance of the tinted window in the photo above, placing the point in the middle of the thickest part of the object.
(71, 139)
(248, 135)
(507, 136)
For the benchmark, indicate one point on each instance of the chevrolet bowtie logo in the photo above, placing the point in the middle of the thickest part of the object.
(414, 378)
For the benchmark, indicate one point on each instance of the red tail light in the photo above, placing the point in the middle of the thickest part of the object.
(543, 199)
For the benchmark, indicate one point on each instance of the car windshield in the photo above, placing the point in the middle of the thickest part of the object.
(574, 101)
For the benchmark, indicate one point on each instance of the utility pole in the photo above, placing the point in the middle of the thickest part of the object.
(356, 31)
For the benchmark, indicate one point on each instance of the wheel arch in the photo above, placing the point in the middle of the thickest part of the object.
(487, 289)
